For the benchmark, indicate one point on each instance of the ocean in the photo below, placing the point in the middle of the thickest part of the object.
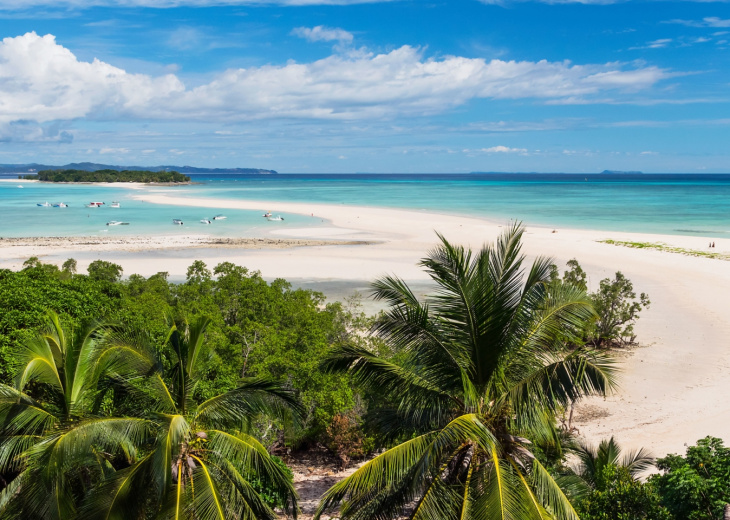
(674, 204)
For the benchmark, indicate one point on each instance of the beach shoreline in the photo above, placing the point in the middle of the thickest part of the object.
(675, 387)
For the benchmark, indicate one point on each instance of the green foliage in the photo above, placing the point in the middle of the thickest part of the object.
(618, 309)
(618, 496)
(592, 461)
(476, 369)
(257, 328)
(101, 270)
(616, 305)
(696, 486)
(25, 297)
(109, 176)
(71, 457)
(69, 266)
(273, 497)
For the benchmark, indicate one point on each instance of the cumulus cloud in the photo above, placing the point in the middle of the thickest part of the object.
(43, 81)
(321, 33)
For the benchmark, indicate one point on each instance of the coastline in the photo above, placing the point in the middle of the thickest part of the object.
(675, 387)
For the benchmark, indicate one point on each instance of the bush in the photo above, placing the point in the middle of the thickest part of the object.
(616, 304)
(102, 270)
(696, 486)
(619, 497)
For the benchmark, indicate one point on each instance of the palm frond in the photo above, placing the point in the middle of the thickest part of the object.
(550, 494)
(253, 396)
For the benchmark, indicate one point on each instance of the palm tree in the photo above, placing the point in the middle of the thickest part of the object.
(200, 463)
(479, 367)
(53, 440)
(593, 460)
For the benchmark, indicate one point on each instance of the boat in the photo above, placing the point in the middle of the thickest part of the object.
(177, 222)
(45, 204)
(20, 185)
(276, 218)
(220, 217)
(267, 214)
(115, 205)
(205, 221)
(60, 205)
(117, 223)
(94, 204)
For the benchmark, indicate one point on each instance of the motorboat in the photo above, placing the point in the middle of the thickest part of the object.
(94, 204)
(220, 217)
(60, 205)
(44, 204)
(20, 185)
(205, 221)
(177, 222)
(275, 219)
(115, 205)
(267, 214)
(117, 223)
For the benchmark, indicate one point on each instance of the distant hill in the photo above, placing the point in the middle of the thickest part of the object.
(619, 172)
(90, 167)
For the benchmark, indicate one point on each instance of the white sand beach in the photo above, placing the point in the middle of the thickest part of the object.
(675, 387)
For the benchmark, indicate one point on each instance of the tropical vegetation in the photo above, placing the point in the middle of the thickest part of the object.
(478, 372)
(143, 398)
(164, 176)
(74, 452)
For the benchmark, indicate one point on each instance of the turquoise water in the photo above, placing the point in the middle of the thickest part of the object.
(669, 204)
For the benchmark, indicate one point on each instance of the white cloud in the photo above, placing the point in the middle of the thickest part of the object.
(321, 33)
(42, 81)
(658, 44)
(81, 4)
(710, 21)
(503, 149)
(114, 151)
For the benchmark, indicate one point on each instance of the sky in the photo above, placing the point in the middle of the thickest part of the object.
(383, 86)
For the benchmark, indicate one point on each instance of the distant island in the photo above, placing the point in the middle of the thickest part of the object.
(107, 175)
(618, 172)
(89, 167)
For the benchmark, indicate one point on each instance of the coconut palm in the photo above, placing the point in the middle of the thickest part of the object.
(479, 368)
(200, 463)
(52, 439)
(593, 460)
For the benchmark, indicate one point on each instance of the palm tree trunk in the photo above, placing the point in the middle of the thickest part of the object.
(726, 516)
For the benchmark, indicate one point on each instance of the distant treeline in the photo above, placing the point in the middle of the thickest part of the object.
(108, 176)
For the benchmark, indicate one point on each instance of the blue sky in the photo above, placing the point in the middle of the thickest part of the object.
(379, 86)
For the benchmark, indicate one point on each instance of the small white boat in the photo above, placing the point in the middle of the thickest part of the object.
(267, 214)
(275, 219)
(205, 221)
(117, 223)
(60, 205)
(20, 185)
(44, 205)
(220, 217)
(177, 222)
(94, 204)
(115, 205)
